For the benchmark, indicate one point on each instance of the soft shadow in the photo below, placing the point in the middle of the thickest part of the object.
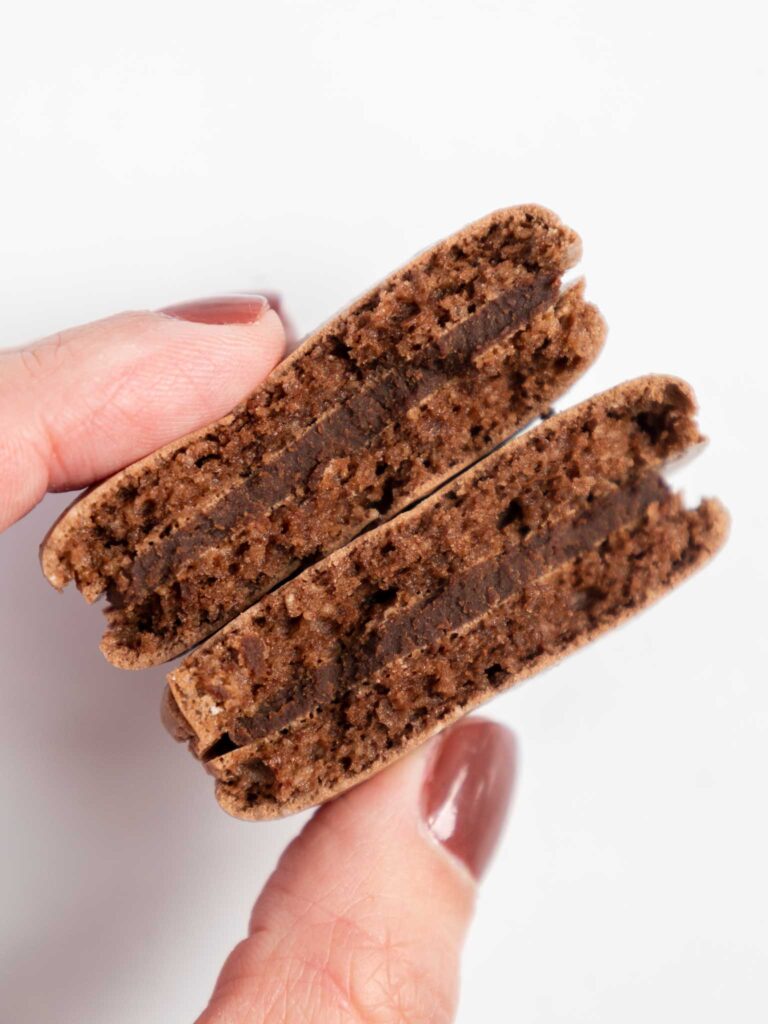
(115, 858)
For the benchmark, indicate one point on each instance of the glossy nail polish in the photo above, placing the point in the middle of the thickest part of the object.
(223, 309)
(467, 790)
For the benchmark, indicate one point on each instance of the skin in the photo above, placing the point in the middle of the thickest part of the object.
(364, 918)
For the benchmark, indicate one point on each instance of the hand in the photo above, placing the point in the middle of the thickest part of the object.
(364, 918)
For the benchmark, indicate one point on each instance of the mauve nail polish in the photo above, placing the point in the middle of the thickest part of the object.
(222, 309)
(468, 788)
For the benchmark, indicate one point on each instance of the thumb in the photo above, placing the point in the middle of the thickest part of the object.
(81, 405)
(365, 916)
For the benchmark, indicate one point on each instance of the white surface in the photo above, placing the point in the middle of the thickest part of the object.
(158, 151)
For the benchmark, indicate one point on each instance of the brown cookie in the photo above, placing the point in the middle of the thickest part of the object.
(414, 381)
(546, 543)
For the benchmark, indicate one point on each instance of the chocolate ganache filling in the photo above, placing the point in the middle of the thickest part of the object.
(467, 597)
(350, 427)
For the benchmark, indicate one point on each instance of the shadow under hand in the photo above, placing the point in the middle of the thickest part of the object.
(127, 885)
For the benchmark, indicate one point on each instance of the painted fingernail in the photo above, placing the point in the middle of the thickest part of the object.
(467, 791)
(222, 309)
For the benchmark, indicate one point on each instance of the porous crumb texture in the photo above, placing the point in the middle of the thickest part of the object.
(545, 543)
(412, 383)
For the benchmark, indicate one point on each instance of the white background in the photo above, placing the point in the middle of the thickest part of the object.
(152, 152)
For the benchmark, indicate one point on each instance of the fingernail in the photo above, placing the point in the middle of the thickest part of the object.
(467, 791)
(222, 309)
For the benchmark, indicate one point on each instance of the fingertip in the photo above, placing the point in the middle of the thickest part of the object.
(467, 791)
(227, 361)
(89, 401)
(271, 337)
(168, 377)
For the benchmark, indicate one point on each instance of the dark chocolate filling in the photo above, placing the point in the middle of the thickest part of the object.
(350, 427)
(466, 597)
